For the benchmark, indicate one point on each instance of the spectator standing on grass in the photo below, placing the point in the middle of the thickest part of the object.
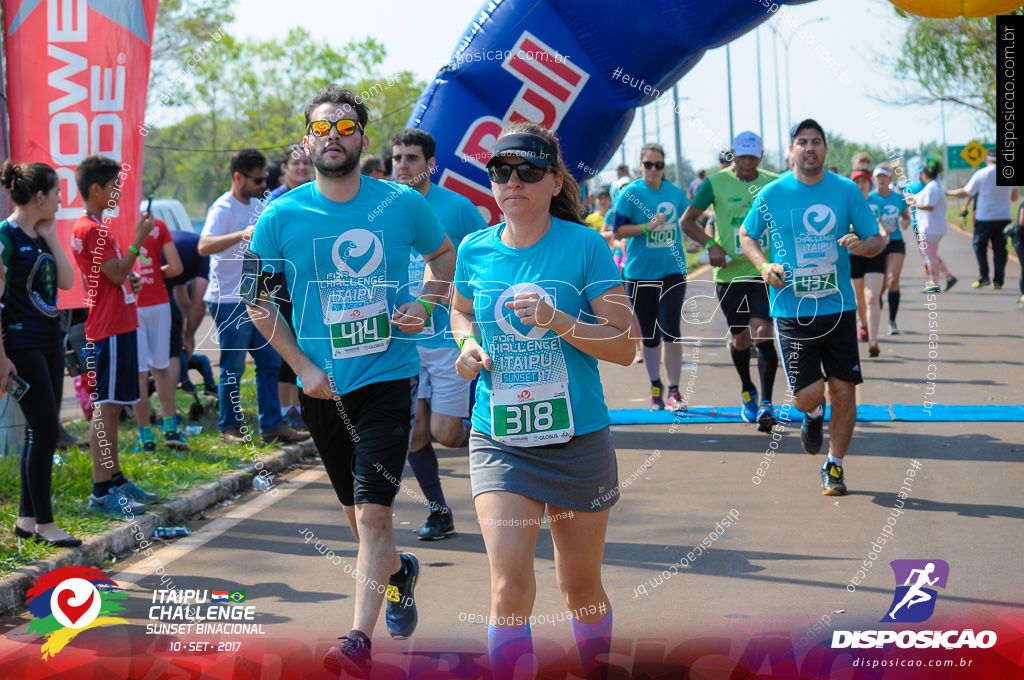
(188, 309)
(296, 171)
(154, 333)
(112, 350)
(225, 237)
(993, 213)
(34, 267)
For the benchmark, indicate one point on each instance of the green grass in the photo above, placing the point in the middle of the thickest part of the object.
(167, 473)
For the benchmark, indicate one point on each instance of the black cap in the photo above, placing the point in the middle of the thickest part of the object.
(534, 149)
(805, 124)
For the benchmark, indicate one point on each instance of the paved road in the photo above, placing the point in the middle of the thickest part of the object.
(783, 566)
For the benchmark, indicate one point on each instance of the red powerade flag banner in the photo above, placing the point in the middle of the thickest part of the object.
(77, 74)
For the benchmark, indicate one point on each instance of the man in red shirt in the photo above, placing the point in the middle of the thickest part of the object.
(111, 350)
(154, 337)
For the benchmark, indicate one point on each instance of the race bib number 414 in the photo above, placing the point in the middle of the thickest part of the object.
(361, 331)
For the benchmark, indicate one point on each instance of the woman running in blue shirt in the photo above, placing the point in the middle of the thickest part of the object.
(538, 302)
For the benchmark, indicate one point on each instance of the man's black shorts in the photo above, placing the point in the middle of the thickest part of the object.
(899, 246)
(812, 344)
(363, 438)
(742, 299)
(860, 265)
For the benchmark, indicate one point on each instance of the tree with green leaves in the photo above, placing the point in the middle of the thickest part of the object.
(249, 94)
(949, 60)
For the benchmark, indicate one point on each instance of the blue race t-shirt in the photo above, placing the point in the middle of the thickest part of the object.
(888, 209)
(540, 385)
(805, 223)
(347, 266)
(659, 253)
(460, 218)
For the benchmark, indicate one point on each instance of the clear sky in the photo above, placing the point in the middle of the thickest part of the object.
(420, 37)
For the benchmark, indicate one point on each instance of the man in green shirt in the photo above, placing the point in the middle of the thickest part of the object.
(742, 293)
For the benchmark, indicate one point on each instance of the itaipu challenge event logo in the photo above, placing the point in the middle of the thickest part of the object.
(69, 600)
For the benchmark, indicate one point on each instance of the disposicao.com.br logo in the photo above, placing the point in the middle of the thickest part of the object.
(914, 602)
(67, 601)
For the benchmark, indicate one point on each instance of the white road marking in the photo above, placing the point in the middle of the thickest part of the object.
(237, 514)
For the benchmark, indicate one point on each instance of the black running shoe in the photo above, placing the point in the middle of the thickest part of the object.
(400, 615)
(810, 433)
(438, 525)
(832, 482)
(351, 658)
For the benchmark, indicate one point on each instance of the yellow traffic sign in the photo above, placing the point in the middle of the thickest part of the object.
(974, 153)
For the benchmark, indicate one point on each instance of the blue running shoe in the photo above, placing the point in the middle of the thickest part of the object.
(765, 417)
(350, 659)
(832, 482)
(749, 410)
(400, 615)
(131, 491)
(111, 503)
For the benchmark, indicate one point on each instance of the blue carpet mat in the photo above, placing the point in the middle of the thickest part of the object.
(938, 413)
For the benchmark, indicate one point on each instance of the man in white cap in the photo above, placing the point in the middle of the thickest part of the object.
(742, 293)
(994, 204)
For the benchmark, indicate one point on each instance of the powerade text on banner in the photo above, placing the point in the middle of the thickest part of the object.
(77, 74)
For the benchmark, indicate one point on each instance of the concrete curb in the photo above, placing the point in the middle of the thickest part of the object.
(96, 550)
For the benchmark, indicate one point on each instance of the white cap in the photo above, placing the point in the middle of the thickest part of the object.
(747, 143)
(882, 170)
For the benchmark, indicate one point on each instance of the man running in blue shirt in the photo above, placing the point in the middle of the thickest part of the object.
(343, 243)
(808, 215)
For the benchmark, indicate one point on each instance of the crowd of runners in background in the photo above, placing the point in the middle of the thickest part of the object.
(288, 264)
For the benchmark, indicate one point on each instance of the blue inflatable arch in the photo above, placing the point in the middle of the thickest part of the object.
(578, 67)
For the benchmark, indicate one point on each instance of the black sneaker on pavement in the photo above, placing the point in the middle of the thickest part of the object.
(352, 657)
(438, 525)
(810, 434)
(400, 615)
(832, 482)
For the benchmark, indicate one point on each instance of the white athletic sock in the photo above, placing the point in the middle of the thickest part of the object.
(817, 412)
(835, 461)
(284, 410)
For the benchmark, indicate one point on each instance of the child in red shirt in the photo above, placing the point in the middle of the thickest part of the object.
(111, 350)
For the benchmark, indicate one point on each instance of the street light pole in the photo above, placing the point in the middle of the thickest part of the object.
(675, 125)
(760, 98)
(728, 80)
(778, 111)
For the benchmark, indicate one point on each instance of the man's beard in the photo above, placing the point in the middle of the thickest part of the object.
(345, 167)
